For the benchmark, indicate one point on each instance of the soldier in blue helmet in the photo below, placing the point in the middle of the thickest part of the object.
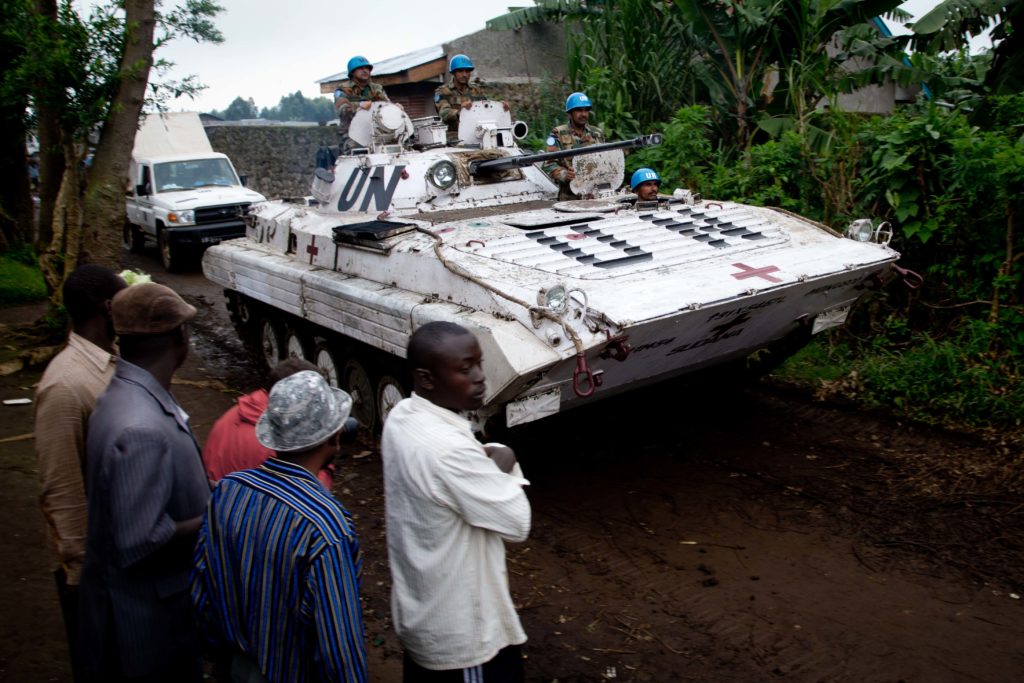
(645, 184)
(576, 133)
(355, 92)
(458, 94)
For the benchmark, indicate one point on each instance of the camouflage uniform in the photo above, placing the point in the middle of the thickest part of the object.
(449, 100)
(347, 98)
(565, 137)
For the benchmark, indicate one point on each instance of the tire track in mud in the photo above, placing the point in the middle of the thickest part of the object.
(690, 551)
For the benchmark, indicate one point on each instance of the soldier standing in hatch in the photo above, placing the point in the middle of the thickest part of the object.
(457, 95)
(356, 92)
(576, 133)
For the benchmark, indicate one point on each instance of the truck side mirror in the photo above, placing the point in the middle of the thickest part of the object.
(142, 189)
(244, 179)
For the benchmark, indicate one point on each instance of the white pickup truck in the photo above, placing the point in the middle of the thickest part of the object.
(181, 193)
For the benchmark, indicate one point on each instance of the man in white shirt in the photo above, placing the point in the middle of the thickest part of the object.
(451, 505)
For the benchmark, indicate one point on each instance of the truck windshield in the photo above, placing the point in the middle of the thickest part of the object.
(191, 173)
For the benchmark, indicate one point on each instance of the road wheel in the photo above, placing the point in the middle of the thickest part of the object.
(355, 379)
(271, 342)
(134, 239)
(296, 345)
(171, 256)
(241, 312)
(390, 390)
(328, 362)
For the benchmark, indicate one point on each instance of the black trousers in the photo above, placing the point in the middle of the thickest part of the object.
(505, 667)
(67, 596)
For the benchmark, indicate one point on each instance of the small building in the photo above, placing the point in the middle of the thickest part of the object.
(511, 62)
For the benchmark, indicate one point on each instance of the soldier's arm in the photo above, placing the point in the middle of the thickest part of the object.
(556, 169)
(445, 110)
(344, 102)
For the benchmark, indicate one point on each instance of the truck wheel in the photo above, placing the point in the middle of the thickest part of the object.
(171, 257)
(390, 390)
(134, 239)
(296, 345)
(271, 344)
(328, 362)
(355, 379)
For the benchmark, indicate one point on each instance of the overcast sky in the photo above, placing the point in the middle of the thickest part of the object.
(274, 48)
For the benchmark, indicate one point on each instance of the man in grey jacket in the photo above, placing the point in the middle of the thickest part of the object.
(146, 491)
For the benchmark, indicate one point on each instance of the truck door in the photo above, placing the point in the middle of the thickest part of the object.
(145, 201)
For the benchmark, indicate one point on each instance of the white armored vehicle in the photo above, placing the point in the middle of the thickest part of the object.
(571, 301)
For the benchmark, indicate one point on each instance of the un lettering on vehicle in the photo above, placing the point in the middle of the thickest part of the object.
(377, 184)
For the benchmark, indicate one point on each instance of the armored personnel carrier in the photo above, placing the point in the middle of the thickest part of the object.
(571, 301)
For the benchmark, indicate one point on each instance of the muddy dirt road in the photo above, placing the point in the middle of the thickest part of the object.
(678, 534)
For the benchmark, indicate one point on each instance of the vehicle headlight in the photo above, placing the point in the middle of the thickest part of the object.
(861, 230)
(182, 217)
(555, 299)
(442, 175)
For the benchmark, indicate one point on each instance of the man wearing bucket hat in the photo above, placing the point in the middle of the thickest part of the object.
(356, 92)
(146, 492)
(576, 133)
(232, 445)
(276, 580)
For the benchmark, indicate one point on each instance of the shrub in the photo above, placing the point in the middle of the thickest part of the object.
(20, 279)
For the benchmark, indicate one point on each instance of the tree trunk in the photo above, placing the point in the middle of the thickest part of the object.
(62, 254)
(51, 153)
(103, 210)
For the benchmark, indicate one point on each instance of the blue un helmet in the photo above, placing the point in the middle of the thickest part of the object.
(357, 62)
(577, 100)
(460, 62)
(642, 175)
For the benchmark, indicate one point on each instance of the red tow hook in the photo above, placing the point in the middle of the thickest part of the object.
(592, 379)
(911, 279)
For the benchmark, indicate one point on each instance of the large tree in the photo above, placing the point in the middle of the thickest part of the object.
(88, 78)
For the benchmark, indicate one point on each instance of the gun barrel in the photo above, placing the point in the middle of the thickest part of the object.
(506, 163)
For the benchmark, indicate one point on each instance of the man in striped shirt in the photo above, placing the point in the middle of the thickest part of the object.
(276, 580)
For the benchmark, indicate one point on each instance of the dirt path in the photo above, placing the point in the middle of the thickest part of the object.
(677, 535)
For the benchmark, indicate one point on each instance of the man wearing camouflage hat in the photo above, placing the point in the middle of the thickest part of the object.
(146, 491)
(276, 579)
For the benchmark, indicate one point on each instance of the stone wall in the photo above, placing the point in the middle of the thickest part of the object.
(278, 159)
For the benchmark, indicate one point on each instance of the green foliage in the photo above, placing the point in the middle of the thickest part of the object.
(238, 109)
(544, 110)
(957, 380)
(293, 107)
(20, 279)
(635, 63)
(682, 158)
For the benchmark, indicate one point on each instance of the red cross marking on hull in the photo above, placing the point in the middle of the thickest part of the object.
(750, 271)
(312, 249)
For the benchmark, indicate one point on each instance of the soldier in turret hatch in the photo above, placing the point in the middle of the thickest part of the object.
(576, 133)
(354, 93)
(645, 184)
(458, 94)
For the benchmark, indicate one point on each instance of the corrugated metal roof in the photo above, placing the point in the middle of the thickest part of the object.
(396, 64)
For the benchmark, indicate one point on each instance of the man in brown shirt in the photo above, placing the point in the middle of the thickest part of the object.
(66, 396)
